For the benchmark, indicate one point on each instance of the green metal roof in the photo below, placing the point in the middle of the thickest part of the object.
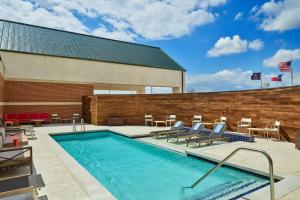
(25, 38)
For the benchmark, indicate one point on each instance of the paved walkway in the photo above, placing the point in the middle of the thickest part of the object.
(57, 167)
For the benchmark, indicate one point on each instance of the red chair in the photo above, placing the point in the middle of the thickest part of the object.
(11, 118)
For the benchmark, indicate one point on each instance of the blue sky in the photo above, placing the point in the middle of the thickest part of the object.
(219, 42)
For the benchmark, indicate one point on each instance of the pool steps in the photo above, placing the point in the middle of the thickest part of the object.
(228, 190)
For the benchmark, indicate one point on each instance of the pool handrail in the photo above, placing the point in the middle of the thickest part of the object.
(271, 171)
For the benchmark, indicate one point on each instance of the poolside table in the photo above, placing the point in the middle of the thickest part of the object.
(66, 120)
(6, 123)
(160, 122)
(251, 130)
(8, 143)
(38, 122)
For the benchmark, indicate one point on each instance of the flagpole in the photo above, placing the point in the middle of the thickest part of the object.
(292, 77)
(261, 83)
(292, 74)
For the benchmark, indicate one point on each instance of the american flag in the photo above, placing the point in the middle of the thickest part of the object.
(285, 66)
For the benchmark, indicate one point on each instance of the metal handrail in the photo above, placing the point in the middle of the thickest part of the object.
(82, 124)
(271, 172)
(74, 126)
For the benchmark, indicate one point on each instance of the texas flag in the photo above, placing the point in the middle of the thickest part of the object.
(277, 78)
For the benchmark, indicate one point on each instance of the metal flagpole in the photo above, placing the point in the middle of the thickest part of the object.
(292, 77)
(261, 83)
(292, 74)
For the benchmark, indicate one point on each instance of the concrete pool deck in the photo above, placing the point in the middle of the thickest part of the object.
(65, 179)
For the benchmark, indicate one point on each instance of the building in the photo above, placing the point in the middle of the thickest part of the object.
(49, 70)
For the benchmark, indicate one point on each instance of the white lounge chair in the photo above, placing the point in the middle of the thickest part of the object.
(55, 118)
(171, 119)
(244, 124)
(196, 119)
(222, 120)
(149, 118)
(273, 128)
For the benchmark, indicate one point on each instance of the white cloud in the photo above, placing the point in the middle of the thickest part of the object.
(234, 45)
(254, 9)
(115, 34)
(227, 79)
(280, 15)
(256, 44)
(25, 11)
(238, 16)
(232, 79)
(282, 55)
(125, 19)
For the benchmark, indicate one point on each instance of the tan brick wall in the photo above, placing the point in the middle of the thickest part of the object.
(23, 91)
(263, 106)
(37, 94)
(1, 95)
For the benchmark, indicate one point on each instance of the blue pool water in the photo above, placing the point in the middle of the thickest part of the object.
(132, 170)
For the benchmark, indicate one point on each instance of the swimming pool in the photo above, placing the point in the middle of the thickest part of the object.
(132, 170)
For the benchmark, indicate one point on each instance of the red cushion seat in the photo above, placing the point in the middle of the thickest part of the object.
(10, 117)
(45, 116)
(26, 117)
(34, 116)
(23, 117)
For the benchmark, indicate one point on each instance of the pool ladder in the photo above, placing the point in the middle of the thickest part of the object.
(82, 125)
(271, 172)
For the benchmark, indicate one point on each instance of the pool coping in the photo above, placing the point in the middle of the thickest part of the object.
(94, 193)
(89, 184)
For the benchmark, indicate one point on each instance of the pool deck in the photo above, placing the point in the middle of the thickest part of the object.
(66, 179)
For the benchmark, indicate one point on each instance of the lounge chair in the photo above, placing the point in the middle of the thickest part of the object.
(196, 119)
(215, 135)
(13, 131)
(177, 127)
(11, 158)
(273, 128)
(195, 130)
(171, 119)
(22, 187)
(149, 118)
(76, 117)
(55, 118)
(244, 124)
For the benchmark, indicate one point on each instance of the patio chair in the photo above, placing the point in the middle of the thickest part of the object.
(149, 118)
(76, 117)
(55, 118)
(196, 119)
(22, 187)
(244, 124)
(11, 158)
(215, 135)
(222, 120)
(273, 128)
(177, 127)
(171, 119)
(195, 130)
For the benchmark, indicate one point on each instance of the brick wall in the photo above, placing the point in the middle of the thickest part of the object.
(263, 106)
(1, 95)
(62, 98)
